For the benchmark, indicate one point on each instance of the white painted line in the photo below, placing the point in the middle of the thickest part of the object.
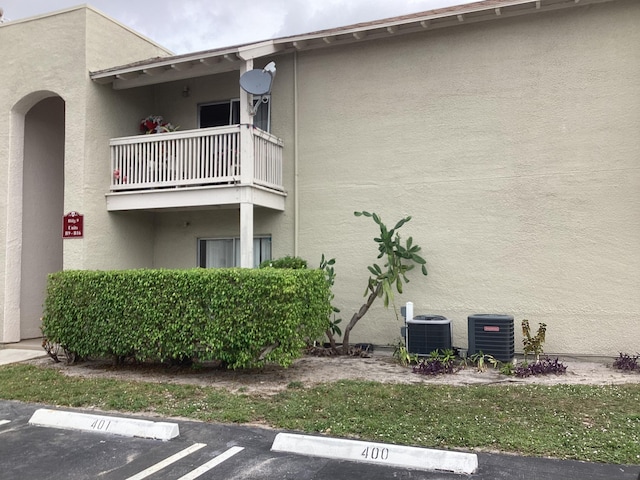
(378, 453)
(129, 427)
(4, 422)
(167, 461)
(211, 463)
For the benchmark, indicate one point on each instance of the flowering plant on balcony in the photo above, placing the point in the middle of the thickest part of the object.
(156, 124)
(119, 178)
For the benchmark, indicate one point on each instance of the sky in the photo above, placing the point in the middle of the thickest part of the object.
(185, 26)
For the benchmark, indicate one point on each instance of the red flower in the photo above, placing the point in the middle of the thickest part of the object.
(156, 124)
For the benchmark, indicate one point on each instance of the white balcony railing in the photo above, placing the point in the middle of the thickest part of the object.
(207, 156)
(267, 159)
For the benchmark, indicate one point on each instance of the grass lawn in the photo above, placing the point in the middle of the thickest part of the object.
(582, 422)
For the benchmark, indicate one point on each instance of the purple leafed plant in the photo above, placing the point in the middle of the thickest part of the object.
(434, 366)
(544, 366)
(627, 362)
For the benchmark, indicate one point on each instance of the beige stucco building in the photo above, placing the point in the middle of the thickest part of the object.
(508, 130)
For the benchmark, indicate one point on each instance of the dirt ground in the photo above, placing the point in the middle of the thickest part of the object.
(310, 370)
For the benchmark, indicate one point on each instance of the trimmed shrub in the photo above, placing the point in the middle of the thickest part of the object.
(285, 262)
(241, 317)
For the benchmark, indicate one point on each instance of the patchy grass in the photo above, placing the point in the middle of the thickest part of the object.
(591, 423)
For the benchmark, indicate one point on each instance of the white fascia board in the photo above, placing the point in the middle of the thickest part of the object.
(259, 50)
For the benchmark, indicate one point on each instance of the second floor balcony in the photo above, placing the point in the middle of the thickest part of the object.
(196, 168)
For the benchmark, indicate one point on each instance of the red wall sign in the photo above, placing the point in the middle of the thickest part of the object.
(73, 225)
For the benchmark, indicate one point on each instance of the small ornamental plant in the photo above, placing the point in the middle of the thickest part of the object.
(437, 363)
(533, 343)
(543, 366)
(402, 355)
(156, 124)
(627, 363)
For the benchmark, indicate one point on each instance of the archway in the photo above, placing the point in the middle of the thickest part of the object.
(35, 204)
(42, 208)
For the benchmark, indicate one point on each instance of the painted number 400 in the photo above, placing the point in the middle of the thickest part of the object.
(375, 453)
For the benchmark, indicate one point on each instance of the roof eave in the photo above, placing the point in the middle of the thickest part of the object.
(179, 67)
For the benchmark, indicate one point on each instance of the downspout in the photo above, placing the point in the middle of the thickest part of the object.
(296, 201)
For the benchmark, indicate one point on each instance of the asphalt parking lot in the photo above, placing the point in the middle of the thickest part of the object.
(214, 451)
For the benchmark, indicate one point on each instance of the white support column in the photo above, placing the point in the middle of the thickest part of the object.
(246, 235)
(246, 131)
(246, 172)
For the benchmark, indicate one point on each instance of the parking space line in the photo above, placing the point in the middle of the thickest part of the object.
(211, 463)
(167, 461)
(4, 422)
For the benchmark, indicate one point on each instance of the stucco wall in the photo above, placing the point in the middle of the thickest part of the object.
(34, 69)
(50, 56)
(513, 144)
(283, 118)
(113, 241)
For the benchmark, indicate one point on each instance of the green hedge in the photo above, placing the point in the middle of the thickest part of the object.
(285, 262)
(242, 317)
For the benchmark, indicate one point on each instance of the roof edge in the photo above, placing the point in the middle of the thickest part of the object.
(226, 58)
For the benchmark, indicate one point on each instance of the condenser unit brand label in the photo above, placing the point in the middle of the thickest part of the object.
(491, 328)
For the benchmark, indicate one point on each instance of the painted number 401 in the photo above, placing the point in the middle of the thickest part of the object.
(100, 424)
(375, 453)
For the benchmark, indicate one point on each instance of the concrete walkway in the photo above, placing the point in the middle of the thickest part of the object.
(21, 351)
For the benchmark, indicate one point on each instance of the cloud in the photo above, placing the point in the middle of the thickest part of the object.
(207, 24)
(202, 24)
(193, 25)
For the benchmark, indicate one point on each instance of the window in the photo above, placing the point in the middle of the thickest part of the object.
(228, 113)
(225, 252)
(262, 118)
(219, 114)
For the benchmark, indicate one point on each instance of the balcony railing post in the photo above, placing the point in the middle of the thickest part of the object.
(247, 152)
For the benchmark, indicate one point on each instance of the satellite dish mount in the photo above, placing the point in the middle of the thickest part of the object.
(257, 82)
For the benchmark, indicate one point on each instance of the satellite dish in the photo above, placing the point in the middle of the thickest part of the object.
(258, 82)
